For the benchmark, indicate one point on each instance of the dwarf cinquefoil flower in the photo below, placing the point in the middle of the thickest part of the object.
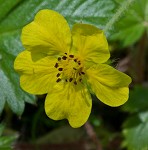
(68, 65)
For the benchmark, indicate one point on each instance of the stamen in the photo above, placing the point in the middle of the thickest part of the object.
(58, 74)
(58, 80)
(79, 63)
(64, 57)
(71, 56)
(75, 83)
(59, 58)
(75, 60)
(60, 69)
(56, 65)
(70, 79)
(71, 69)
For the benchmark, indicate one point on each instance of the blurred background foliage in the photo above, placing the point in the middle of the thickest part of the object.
(23, 121)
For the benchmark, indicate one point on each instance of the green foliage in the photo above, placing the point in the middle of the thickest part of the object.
(122, 9)
(16, 14)
(1, 128)
(6, 7)
(6, 141)
(135, 132)
(136, 127)
(130, 28)
(138, 100)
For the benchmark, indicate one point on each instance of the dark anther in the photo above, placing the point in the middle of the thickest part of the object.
(56, 65)
(71, 56)
(80, 80)
(74, 68)
(58, 74)
(64, 57)
(82, 73)
(79, 73)
(66, 80)
(79, 63)
(75, 60)
(58, 80)
(60, 69)
(59, 58)
(65, 53)
(70, 79)
(75, 83)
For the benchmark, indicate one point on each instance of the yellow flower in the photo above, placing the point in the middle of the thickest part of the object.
(68, 65)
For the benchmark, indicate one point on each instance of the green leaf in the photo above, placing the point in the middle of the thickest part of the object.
(6, 7)
(14, 15)
(130, 28)
(138, 100)
(2, 126)
(119, 1)
(95, 12)
(7, 137)
(135, 132)
(9, 82)
(7, 141)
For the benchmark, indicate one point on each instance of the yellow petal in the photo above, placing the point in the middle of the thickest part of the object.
(68, 102)
(90, 43)
(109, 85)
(49, 33)
(36, 77)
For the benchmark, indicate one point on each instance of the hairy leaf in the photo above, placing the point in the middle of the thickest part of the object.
(131, 27)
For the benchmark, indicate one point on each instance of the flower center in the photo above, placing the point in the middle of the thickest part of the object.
(70, 69)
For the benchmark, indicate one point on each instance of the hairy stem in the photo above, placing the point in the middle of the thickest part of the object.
(124, 7)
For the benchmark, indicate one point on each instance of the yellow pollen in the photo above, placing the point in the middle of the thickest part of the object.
(70, 69)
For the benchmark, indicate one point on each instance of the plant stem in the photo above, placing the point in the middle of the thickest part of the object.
(139, 60)
(125, 5)
(90, 131)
